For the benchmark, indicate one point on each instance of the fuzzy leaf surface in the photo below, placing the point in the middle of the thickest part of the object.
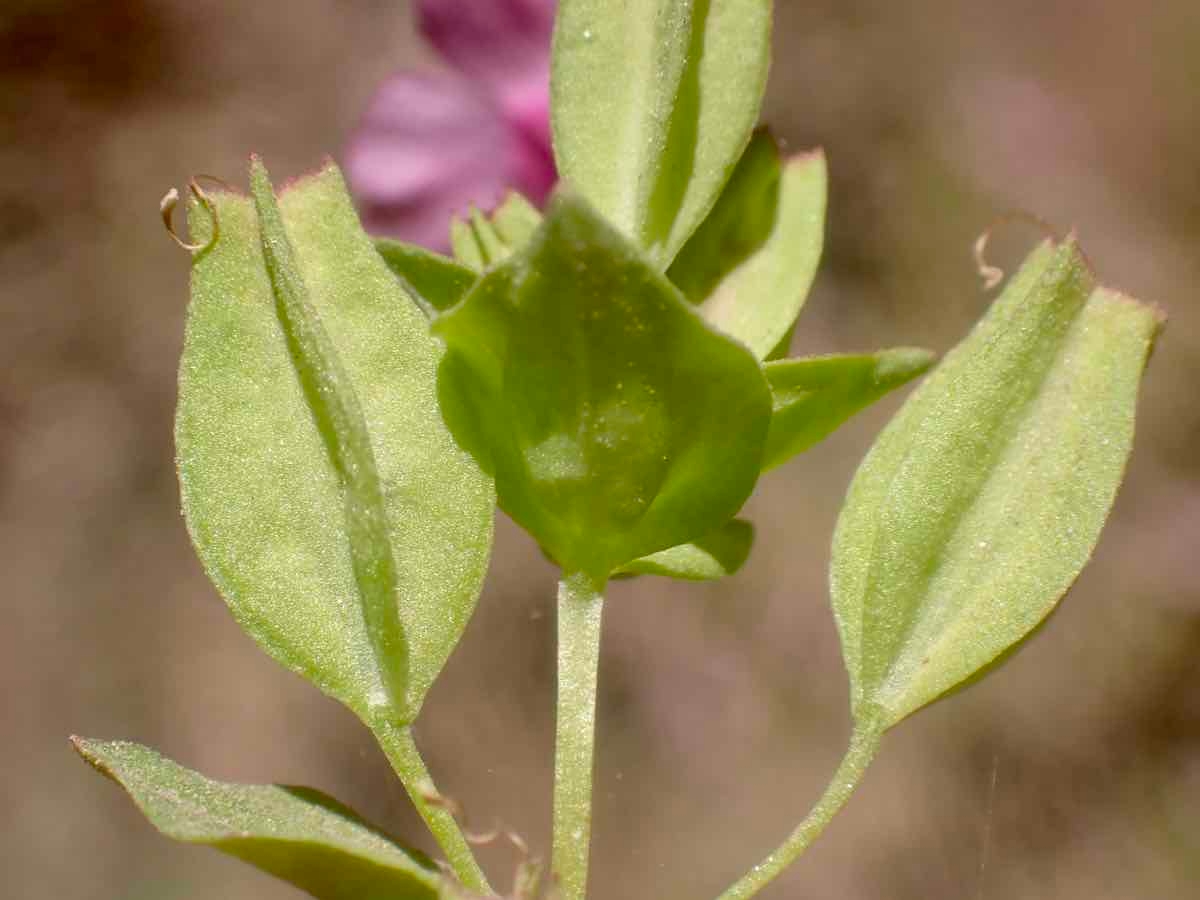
(264, 502)
(813, 396)
(981, 501)
(752, 262)
(616, 421)
(296, 834)
(337, 413)
(652, 104)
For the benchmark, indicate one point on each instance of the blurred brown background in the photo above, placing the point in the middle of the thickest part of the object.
(1072, 773)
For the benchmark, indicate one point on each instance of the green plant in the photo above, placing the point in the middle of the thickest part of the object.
(610, 374)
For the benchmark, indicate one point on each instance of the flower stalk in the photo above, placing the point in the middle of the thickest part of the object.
(580, 607)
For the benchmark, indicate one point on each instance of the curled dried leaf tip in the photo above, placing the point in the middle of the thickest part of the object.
(170, 200)
(527, 881)
(993, 275)
(479, 838)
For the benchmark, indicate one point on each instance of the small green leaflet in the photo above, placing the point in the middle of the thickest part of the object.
(481, 241)
(982, 500)
(716, 555)
(434, 281)
(296, 834)
(813, 396)
(652, 104)
(515, 220)
(752, 262)
(263, 499)
(616, 422)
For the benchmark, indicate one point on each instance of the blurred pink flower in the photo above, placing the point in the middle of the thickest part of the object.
(431, 144)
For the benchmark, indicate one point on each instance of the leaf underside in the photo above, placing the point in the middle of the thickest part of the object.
(296, 834)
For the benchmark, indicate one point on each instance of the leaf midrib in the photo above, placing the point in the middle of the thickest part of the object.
(1018, 414)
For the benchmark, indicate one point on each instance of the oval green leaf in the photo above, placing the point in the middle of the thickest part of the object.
(751, 264)
(263, 500)
(296, 834)
(652, 104)
(616, 421)
(982, 500)
(813, 396)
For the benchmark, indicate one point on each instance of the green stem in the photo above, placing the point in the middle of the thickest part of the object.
(397, 742)
(580, 604)
(864, 744)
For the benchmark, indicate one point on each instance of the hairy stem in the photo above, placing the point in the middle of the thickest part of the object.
(397, 742)
(864, 744)
(580, 604)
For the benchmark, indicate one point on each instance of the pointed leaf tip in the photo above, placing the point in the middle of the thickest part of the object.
(814, 396)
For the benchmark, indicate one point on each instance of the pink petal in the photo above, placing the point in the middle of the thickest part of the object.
(431, 146)
(502, 44)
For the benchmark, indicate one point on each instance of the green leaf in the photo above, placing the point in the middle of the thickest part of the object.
(716, 555)
(434, 281)
(480, 241)
(815, 395)
(515, 220)
(739, 224)
(982, 500)
(466, 245)
(296, 834)
(751, 264)
(617, 423)
(263, 498)
(652, 104)
(338, 415)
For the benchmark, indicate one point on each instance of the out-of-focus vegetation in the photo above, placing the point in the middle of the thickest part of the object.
(1073, 773)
